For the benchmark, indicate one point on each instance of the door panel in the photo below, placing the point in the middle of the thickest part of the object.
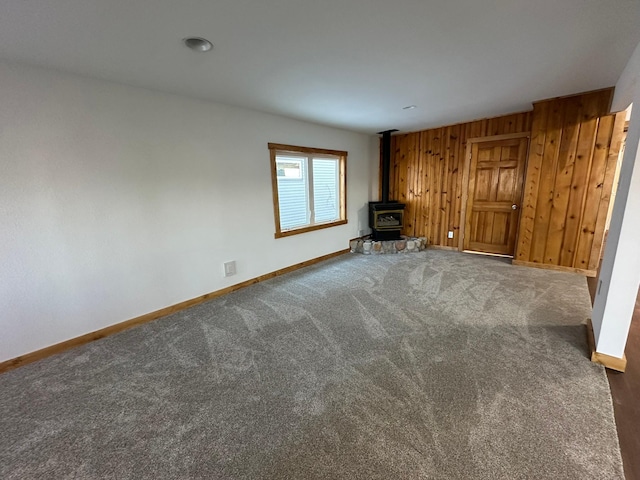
(496, 174)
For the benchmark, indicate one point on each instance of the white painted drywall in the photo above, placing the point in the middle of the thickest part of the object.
(116, 201)
(620, 273)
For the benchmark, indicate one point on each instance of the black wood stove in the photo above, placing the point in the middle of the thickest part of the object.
(386, 217)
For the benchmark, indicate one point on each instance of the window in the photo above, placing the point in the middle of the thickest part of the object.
(309, 188)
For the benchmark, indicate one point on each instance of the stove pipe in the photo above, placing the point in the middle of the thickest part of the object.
(386, 163)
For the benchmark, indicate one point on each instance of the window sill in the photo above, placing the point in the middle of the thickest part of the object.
(309, 228)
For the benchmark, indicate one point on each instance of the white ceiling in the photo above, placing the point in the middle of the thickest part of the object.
(348, 63)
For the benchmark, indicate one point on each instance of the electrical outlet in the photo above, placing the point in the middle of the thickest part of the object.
(450, 234)
(361, 233)
(229, 268)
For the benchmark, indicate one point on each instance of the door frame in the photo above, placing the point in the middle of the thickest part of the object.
(466, 173)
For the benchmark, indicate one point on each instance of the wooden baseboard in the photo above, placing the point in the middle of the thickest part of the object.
(148, 317)
(442, 247)
(613, 363)
(558, 268)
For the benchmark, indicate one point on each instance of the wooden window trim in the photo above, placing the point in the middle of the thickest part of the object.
(294, 148)
(274, 149)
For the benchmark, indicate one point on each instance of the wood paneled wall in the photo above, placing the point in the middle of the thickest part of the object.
(426, 174)
(572, 161)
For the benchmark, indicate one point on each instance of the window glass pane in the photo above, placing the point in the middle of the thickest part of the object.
(289, 168)
(325, 190)
(293, 194)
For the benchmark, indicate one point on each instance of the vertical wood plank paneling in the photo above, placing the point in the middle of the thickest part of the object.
(449, 190)
(615, 146)
(433, 209)
(581, 171)
(547, 180)
(402, 169)
(568, 183)
(442, 182)
(404, 166)
(532, 186)
(472, 218)
(569, 175)
(405, 181)
(594, 192)
(426, 179)
(430, 181)
(457, 158)
(419, 193)
(562, 185)
(411, 181)
(439, 182)
(436, 186)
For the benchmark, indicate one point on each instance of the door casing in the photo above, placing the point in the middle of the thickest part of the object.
(466, 177)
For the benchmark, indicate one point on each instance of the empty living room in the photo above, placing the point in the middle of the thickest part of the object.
(246, 239)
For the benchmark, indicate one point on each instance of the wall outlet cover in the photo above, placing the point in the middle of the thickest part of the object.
(229, 268)
(450, 234)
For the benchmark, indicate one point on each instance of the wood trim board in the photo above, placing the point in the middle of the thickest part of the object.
(148, 317)
(274, 190)
(296, 148)
(613, 363)
(558, 268)
(605, 94)
(465, 195)
(310, 228)
(442, 247)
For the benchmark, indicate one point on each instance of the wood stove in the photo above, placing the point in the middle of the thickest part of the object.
(386, 217)
(386, 220)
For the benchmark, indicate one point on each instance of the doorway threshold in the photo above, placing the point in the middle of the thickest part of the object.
(501, 255)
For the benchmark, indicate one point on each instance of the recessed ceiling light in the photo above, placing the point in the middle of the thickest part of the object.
(409, 107)
(198, 44)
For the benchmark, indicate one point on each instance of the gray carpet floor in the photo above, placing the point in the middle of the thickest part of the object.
(435, 365)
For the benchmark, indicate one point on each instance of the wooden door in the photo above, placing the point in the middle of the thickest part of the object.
(496, 176)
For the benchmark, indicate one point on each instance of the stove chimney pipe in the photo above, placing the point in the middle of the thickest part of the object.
(386, 163)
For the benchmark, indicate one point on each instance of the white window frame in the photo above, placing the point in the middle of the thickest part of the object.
(309, 153)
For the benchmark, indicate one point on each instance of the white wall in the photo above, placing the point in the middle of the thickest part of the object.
(620, 273)
(116, 201)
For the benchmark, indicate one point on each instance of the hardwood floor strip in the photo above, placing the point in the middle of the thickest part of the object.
(625, 391)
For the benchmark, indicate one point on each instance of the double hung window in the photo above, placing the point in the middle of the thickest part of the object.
(309, 188)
